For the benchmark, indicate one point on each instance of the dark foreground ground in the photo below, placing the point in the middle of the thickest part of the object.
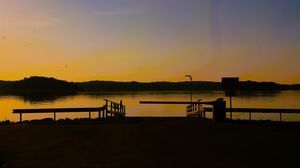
(150, 142)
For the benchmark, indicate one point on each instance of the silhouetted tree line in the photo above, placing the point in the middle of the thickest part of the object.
(52, 85)
(252, 85)
(149, 86)
(38, 84)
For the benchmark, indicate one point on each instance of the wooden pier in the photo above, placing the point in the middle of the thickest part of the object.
(110, 109)
(279, 111)
(196, 109)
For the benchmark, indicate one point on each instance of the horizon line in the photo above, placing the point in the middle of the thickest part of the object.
(143, 81)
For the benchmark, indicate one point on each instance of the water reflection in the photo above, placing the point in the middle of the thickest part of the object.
(37, 97)
(50, 97)
(258, 94)
(284, 99)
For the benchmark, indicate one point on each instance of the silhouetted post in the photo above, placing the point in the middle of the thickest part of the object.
(230, 99)
(124, 111)
(250, 116)
(89, 115)
(280, 116)
(105, 110)
(121, 106)
(54, 116)
(111, 108)
(201, 109)
(20, 117)
(219, 110)
(191, 89)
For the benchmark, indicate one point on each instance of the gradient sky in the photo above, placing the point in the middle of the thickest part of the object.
(150, 40)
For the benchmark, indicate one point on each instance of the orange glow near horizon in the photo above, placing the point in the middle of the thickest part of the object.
(146, 41)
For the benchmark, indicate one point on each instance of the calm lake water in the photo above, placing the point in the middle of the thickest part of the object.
(283, 99)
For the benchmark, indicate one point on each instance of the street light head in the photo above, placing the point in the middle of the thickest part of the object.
(189, 76)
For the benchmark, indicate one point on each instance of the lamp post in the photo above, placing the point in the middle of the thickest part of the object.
(189, 76)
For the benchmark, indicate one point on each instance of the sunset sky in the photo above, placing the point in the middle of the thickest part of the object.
(150, 40)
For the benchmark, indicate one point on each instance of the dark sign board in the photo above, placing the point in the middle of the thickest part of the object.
(230, 84)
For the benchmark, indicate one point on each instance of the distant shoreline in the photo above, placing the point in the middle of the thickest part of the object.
(51, 85)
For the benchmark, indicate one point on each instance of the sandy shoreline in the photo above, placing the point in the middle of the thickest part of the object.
(150, 142)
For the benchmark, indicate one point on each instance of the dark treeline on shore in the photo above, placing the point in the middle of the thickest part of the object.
(50, 85)
(38, 84)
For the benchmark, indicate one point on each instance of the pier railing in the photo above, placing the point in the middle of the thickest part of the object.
(110, 109)
(195, 110)
(250, 111)
(114, 109)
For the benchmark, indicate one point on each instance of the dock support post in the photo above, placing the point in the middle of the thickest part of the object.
(199, 113)
(121, 107)
(231, 107)
(105, 110)
(280, 116)
(89, 115)
(250, 116)
(111, 106)
(111, 109)
(54, 116)
(124, 111)
(20, 117)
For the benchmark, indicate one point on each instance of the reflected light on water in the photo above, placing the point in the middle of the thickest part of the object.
(286, 99)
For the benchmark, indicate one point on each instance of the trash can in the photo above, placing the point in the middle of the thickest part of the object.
(219, 110)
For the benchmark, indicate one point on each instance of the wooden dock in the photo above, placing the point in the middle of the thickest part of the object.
(196, 109)
(279, 111)
(110, 109)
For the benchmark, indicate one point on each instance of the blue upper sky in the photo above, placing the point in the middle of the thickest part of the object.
(149, 40)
